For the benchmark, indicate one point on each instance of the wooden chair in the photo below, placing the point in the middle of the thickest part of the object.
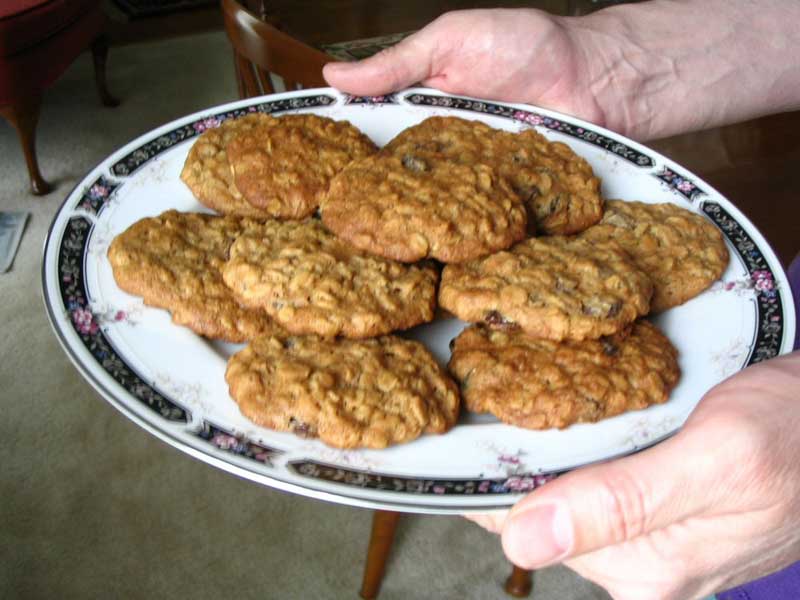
(39, 39)
(384, 524)
(261, 50)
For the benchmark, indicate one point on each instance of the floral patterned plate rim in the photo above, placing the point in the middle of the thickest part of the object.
(170, 381)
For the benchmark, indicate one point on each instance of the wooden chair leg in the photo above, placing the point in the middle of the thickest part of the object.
(239, 78)
(519, 583)
(99, 55)
(384, 523)
(24, 115)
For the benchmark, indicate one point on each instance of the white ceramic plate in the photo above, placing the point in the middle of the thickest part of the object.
(170, 381)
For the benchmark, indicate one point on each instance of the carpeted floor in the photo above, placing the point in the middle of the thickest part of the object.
(92, 506)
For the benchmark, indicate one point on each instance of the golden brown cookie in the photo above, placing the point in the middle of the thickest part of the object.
(173, 261)
(207, 171)
(311, 282)
(682, 252)
(552, 287)
(538, 384)
(349, 393)
(412, 201)
(558, 186)
(283, 165)
(466, 140)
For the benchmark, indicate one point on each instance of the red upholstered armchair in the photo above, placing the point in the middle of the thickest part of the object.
(39, 39)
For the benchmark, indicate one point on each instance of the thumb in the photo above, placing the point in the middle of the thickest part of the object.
(604, 504)
(396, 67)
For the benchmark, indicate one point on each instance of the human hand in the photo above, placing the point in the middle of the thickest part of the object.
(714, 506)
(645, 70)
(512, 55)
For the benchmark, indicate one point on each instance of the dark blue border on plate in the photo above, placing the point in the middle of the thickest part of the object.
(74, 296)
(583, 134)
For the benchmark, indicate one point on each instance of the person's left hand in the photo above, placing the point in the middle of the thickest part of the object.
(714, 506)
(522, 55)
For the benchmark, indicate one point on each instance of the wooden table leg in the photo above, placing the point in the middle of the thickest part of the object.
(519, 583)
(384, 523)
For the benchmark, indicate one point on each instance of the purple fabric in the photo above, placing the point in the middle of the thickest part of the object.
(794, 281)
(783, 585)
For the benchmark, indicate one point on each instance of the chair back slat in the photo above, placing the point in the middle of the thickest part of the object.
(265, 80)
(269, 51)
(248, 85)
(239, 80)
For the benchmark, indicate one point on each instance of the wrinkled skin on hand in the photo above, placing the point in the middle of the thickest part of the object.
(716, 505)
(646, 70)
(482, 52)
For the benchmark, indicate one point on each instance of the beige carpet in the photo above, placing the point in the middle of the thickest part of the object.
(91, 506)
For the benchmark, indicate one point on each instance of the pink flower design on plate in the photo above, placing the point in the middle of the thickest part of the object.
(224, 442)
(531, 118)
(520, 484)
(98, 191)
(264, 457)
(764, 284)
(208, 123)
(84, 321)
(763, 280)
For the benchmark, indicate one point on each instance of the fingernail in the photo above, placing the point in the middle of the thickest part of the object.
(538, 536)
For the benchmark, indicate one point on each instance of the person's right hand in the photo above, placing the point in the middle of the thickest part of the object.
(512, 55)
(714, 506)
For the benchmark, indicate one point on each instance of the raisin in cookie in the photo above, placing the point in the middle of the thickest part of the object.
(348, 393)
(173, 261)
(311, 282)
(682, 252)
(283, 165)
(552, 287)
(539, 384)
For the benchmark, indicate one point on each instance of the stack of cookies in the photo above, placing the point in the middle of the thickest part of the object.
(327, 246)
